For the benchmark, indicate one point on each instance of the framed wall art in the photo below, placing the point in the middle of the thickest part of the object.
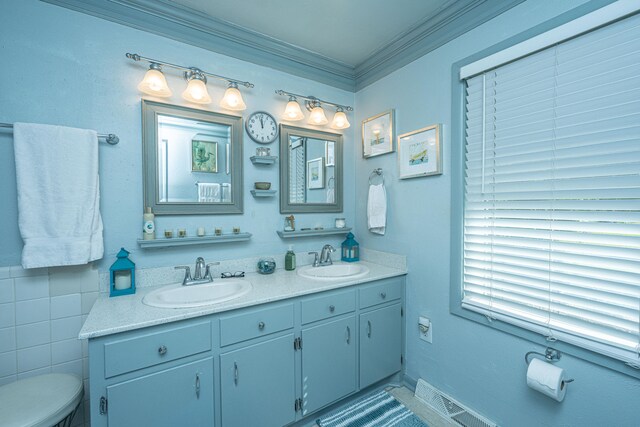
(377, 134)
(419, 152)
(315, 173)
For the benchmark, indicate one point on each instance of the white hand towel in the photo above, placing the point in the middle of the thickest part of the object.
(58, 195)
(377, 209)
(331, 195)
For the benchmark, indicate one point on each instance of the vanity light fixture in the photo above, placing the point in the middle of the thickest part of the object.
(317, 117)
(155, 84)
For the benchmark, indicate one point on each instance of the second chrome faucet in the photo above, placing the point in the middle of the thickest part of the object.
(325, 256)
(198, 276)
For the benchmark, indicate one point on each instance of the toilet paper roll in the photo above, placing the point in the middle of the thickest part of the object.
(547, 379)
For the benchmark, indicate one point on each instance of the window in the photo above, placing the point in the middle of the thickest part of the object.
(551, 227)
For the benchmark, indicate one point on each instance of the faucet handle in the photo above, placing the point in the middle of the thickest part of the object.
(187, 272)
(207, 271)
(316, 260)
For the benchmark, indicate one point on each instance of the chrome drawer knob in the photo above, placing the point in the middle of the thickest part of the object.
(162, 350)
(261, 325)
(332, 308)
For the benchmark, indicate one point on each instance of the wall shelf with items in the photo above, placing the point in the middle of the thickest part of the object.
(185, 241)
(263, 193)
(310, 233)
(263, 160)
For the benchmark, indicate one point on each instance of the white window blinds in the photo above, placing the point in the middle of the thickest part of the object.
(552, 191)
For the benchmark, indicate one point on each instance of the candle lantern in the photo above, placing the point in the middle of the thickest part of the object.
(122, 279)
(350, 249)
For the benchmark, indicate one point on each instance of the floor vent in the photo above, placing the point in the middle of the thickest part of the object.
(448, 407)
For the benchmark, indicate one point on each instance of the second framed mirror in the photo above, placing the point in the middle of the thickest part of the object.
(311, 169)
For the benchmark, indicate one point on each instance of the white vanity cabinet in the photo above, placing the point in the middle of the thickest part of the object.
(266, 365)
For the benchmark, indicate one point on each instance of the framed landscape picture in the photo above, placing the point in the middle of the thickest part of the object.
(315, 174)
(419, 152)
(377, 134)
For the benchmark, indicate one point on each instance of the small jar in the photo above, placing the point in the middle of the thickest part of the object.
(236, 230)
(168, 234)
(217, 231)
(182, 232)
(341, 223)
(200, 231)
(266, 265)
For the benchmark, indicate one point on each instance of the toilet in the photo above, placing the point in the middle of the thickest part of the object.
(42, 401)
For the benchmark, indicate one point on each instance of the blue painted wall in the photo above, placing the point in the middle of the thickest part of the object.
(481, 367)
(66, 68)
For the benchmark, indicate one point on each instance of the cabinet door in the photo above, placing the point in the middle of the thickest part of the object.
(328, 363)
(178, 396)
(380, 344)
(257, 384)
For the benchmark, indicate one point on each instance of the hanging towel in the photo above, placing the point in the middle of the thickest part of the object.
(58, 195)
(208, 192)
(331, 195)
(377, 209)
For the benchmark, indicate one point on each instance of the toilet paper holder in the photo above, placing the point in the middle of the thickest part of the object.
(550, 355)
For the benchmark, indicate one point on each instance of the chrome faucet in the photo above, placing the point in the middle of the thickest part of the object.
(198, 278)
(325, 255)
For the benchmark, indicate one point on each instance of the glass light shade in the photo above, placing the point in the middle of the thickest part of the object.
(196, 92)
(155, 84)
(293, 112)
(232, 100)
(340, 121)
(317, 117)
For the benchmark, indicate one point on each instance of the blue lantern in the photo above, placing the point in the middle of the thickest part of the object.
(122, 275)
(350, 249)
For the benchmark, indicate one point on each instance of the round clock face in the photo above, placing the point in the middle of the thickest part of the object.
(262, 127)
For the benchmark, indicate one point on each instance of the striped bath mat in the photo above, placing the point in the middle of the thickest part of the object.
(379, 409)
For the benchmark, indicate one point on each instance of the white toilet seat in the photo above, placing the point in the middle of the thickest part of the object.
(41, 401)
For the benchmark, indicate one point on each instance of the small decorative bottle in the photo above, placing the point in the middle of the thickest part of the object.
(149, 227)
(350, 249)
(290, 259)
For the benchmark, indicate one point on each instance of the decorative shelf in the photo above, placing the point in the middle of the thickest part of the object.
(263, 193)
(185, 241)
(263, 160)
(310, 233)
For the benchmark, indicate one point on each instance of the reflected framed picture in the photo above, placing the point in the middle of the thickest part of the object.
(330, 153)
(204, 156)
(377, 134)
(419, 152)
(315, 173)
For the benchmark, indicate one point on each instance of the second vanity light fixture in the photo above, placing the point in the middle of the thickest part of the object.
(317, 117)
(155, 84)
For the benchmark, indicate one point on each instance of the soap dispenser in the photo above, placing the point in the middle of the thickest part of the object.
(290, 259)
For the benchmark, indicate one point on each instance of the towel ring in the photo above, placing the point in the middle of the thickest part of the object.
(375, 173)
(329, 183)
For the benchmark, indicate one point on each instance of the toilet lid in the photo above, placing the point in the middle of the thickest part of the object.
(40, 401)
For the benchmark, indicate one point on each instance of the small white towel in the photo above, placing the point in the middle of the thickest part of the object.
(331, 195)
(377, 209)
(208, 192)
(58, 195)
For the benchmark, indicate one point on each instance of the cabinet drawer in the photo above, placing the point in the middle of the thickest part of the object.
(150, 349)
(255, 323)
(385, 290)
(326, 306)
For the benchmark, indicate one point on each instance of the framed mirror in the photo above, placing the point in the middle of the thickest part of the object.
(310, 170)
(192, 160)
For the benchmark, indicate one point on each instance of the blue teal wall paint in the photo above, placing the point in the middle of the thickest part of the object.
(482, 367)
(67, 68)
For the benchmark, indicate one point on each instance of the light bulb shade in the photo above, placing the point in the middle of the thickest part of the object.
(196, 92)
(232, 100)
(340, 121)
(293, 112)
(155, 84)
(317, 117)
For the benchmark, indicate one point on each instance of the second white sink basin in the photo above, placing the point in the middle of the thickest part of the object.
(178, 296)
(335, 271)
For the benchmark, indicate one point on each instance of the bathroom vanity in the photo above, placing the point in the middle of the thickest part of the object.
(288, 348)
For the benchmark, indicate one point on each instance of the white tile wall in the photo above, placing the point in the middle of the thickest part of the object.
(41, 313)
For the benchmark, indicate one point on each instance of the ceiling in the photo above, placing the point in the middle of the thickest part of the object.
(347, 31)
(347, 44)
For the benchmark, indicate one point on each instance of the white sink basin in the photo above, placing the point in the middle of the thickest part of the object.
(178, 296)
(335, 271)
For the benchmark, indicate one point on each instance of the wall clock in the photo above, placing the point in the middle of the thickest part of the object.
(262, 127)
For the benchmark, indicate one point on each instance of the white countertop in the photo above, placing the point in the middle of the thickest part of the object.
(124, 313)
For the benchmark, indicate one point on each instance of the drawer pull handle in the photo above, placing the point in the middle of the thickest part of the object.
(383, 295)
(162, 350)
(261, 325)
(368, 328)
(332, 308)
(348, 335)
(197, 386)
(235, 373)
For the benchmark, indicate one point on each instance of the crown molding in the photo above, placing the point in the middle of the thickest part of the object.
(186, 25)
